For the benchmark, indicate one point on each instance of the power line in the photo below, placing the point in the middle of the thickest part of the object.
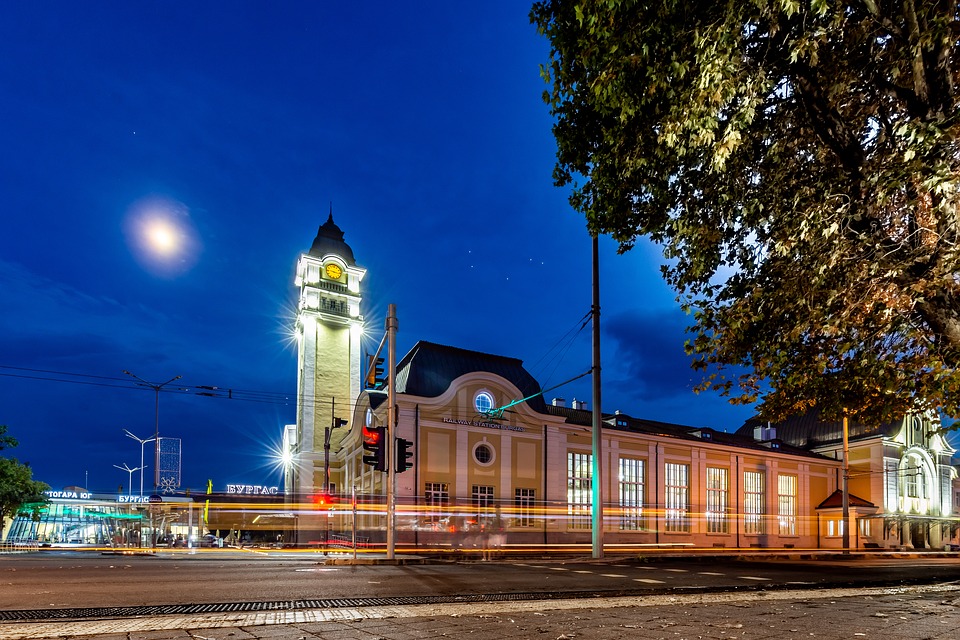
(212, 391)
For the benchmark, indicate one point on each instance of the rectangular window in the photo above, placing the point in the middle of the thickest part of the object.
(835, 528)
(718, 500)
(676, 497)
(579, 489)
(787, 499)
(631, 494)
(481, 496)
(436, 498)
(753, 502)
(864, 527)
(524, 501)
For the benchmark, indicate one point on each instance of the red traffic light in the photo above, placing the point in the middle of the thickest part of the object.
(323, 499)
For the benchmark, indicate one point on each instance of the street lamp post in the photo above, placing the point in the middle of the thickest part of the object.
(156, 425)
(142, 466)
(130, 475)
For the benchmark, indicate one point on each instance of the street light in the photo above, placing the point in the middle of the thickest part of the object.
(156, 428)
(142, 466)
(130, 474)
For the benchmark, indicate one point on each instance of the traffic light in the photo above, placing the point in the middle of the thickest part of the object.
(322, 500)
(375, 441)
(374, 379)
(403, 455)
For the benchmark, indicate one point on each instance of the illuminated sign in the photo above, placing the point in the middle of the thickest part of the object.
(136, 499)
(488, 425)
(252, 490)
(68, 495)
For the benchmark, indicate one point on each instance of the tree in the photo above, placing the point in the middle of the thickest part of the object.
(798, 163)
(17, 486)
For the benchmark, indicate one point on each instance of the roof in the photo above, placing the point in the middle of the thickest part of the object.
(429, 369)
(624, 422)
(808, 430)
(835, 500)
(330, 240)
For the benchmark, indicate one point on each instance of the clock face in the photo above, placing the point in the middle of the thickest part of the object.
(333, 271)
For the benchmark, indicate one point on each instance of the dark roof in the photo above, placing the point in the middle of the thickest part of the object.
(623, 422)
(835, 500)
(807, 430)
(330, 240)
(429, 369)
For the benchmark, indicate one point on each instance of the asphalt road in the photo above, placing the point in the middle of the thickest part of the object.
(56, 580)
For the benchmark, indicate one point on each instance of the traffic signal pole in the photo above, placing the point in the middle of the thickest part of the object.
(391, 326)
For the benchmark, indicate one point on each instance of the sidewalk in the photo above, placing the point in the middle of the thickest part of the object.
(924, 612)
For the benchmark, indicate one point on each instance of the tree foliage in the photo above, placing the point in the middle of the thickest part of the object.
(798, 163)
(17, 486)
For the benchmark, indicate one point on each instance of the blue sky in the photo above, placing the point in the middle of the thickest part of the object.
(422, 125)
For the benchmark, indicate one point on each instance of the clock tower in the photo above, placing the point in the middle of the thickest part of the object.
(328, 330)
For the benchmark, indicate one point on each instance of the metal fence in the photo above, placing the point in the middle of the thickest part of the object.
(26, 546)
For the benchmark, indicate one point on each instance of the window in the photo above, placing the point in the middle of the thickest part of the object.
(676, 497)
(718, 488)
(579, 489)
(523, 501)
(483, 453)
(753, 502)
(915, 483)
(436, 497)
(483, 402)
(482, 496)
(787, 500)
(865, 529)
(631, 493)
(835, 527)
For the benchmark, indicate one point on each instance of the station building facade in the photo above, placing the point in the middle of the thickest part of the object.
(527, 473)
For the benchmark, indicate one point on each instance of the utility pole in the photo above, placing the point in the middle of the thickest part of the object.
(597, 513)
(391, 325)
(156, 424)
(846, 487)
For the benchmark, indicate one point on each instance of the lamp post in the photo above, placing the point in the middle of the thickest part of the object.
(142, 466)
(156, 426)
(130, 475)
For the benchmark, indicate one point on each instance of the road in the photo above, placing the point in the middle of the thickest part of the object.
(58, 580)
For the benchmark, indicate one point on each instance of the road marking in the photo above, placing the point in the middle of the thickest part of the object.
(710, 573)
(558, 569)
(648, 580)
(613, 575)
(676, 570)
(751, 578)
(583, 571)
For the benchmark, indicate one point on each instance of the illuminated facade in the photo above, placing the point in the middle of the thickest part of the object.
(902, 481)
(328, 331)
(526, 472)
(74, 516)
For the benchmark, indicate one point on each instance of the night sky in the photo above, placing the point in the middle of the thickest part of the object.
(422, 126)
